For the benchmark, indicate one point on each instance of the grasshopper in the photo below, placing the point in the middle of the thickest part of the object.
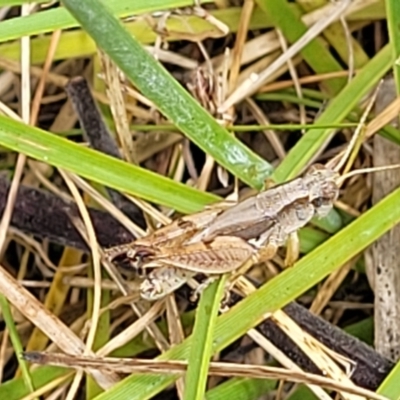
(247, 218)
(224, 245)
(225, 254)
(220, 240)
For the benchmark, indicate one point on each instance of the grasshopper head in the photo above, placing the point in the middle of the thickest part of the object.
(323, 188)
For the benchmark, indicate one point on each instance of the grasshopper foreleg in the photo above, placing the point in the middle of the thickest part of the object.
(202, 286)
(292, 249)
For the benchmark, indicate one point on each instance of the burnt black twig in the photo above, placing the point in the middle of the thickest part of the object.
(45, 215)
(99, 137)
(370, 368)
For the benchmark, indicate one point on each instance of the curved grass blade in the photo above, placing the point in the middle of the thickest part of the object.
(154, 81)
(276, 293)
(60, 18)
(201, 350)
(16, 341)
(99, 167)
(77, 43)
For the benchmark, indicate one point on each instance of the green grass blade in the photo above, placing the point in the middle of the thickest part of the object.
(203, 331)
(16, 342)
(60, 18)
(241, 389)
(337, 38)
(111, 172)
(393, 19)
(303, 393)
(370, 12)
(310, 239)
(276, 293)
(20, 2)
(233, 128)
(315, 53)
(154, 81)
(99, 167)
(77, 43)
(391, 133)
(363, 330)
(290, 98)
(336, 111)
(390, 387)
(41, 376)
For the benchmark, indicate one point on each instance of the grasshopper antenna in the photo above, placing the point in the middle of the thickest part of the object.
(342, 178)
(349, 154)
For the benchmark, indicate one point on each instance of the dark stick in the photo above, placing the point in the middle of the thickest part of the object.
(45, 215)
(370, 368)
(99, 137)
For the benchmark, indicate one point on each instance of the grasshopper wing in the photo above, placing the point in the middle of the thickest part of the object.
(223, 254)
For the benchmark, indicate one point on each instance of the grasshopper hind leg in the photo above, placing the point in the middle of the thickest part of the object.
(163, 281)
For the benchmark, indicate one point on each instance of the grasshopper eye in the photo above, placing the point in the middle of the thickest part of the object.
(316, 169)
(322, 206)
(319, 202)
(137, 258)
(131, 254)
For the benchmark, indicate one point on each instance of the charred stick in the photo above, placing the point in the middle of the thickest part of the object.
(45, 215)
(99, 138)
(370, 368)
